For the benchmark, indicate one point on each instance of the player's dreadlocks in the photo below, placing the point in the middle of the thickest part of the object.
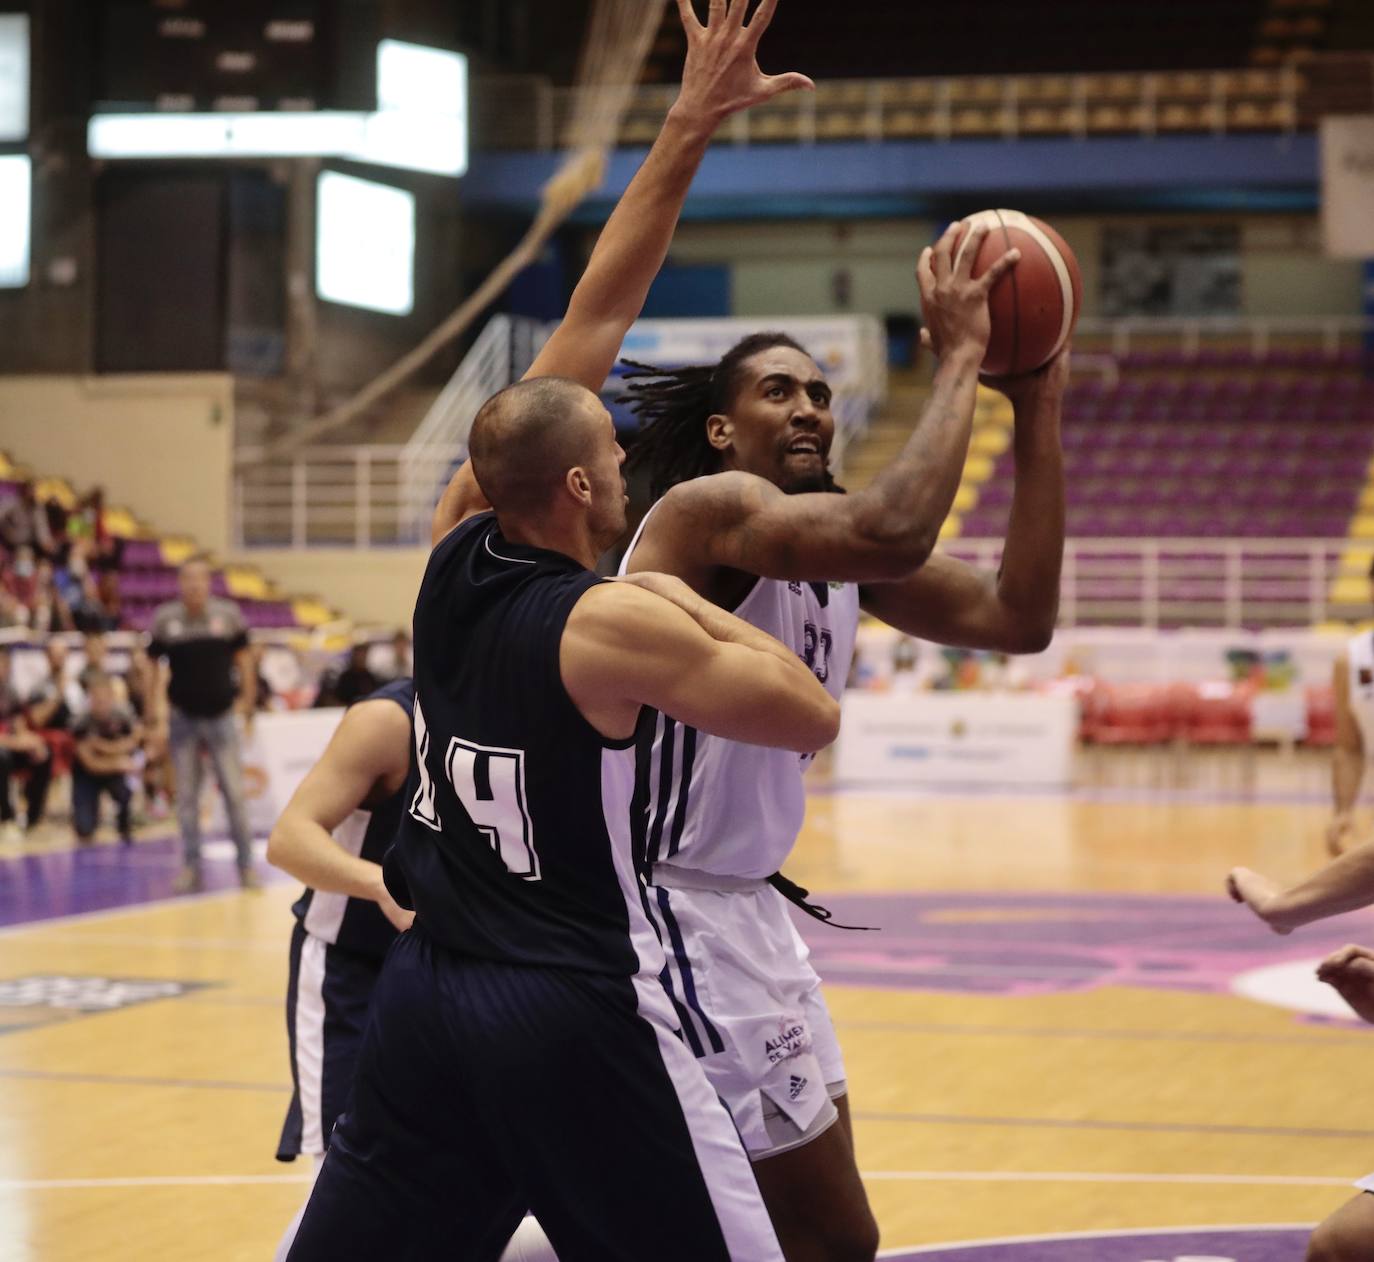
(672, 405)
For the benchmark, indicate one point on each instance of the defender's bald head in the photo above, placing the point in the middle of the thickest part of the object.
(527, 437)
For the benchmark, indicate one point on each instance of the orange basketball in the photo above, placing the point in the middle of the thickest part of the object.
(1034, 306)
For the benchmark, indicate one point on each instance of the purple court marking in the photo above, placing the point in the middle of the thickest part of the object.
(1233, 1244)
(95, 878)
(1035, 944)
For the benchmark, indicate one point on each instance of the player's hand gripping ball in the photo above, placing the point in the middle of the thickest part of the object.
(1034, 307)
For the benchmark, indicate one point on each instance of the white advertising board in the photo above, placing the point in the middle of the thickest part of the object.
(946, 739)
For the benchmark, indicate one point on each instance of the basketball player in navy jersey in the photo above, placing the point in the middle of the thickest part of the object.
(332, 835)
(522, 1050)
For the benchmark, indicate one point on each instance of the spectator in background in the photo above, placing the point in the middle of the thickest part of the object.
(21, 576)
(48, 612)
(101, 607)
(107, 738)
(24, 522)
(403, 664)
(53, 703)
(55, 513)
(205, 671)
(356, 680)
(71, 577)
(88, 522)
(97, 663)
(20, 750)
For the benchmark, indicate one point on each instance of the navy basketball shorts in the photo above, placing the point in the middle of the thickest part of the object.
(486, 1090)
(327, 999)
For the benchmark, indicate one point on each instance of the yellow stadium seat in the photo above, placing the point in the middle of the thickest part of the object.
(176, 551)
(950, 528)
(990, 440)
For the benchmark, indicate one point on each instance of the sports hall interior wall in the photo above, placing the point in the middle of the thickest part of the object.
(1283, 270)
(163, 444)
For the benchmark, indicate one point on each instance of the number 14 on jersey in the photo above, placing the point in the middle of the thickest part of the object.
(489, 783)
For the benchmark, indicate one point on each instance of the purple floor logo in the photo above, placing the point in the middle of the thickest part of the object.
(1037, 944)
(1222, 1244)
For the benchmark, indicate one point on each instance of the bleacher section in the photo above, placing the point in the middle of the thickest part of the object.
(1221, 445)
(148, 569)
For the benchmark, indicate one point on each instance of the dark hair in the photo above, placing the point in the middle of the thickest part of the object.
(672, 405)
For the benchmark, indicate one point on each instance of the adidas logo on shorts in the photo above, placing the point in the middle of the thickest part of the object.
(796, 1087)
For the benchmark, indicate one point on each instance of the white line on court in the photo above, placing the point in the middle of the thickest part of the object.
(1102, 1176)
(153, 1181)
(1121, 1233)
(922, 1176)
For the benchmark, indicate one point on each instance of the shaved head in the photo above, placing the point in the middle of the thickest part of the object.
(527, 437)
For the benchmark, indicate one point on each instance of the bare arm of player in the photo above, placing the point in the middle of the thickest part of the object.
(1347, 762)
(1345, 884)
(721, 77)
(1015, 610)
(369, 755)
(625, 648)
(1350, 971)
(739, 521)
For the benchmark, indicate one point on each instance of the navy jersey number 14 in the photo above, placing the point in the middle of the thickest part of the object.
(490, 784)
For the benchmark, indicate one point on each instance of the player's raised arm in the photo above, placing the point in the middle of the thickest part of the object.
(887, 530)
(626, 647)
(721, 77)
(1015, 609)
(368, 757)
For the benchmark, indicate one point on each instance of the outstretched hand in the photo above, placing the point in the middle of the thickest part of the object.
(954, 305)
(1350, 972)
(722, 75)
(1258, 894)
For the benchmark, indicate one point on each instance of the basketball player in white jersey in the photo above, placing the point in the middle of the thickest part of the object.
(749, 518)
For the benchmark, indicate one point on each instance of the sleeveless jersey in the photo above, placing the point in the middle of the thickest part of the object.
(516, 845)
(1360, 653)
(357, 924)
(732, 809)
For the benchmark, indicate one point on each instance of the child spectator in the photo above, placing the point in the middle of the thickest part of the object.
(97, 663)
(107, 737)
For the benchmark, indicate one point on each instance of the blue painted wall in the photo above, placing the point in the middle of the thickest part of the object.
(1229, 173)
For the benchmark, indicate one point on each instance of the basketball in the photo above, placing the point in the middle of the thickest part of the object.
(1034, 306)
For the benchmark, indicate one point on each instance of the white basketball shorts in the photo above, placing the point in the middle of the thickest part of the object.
(750, 1004)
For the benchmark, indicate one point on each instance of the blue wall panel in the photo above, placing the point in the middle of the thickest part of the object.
(920, 177)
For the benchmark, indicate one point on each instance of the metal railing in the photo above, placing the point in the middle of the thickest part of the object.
(1258, 335)
(500, 355)
(527, 112)
(1160, 583)
(338, 496)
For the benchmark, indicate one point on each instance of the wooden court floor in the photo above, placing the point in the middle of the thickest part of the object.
(1044, 1037)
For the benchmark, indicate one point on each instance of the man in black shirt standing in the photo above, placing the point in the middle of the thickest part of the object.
(204, 669)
